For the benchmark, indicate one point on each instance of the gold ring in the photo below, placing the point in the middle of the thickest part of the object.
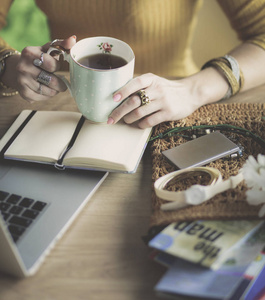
(143, 97)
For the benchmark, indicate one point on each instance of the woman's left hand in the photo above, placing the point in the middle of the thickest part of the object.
(169, 100)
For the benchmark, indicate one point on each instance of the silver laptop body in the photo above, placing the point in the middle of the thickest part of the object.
(65, 192)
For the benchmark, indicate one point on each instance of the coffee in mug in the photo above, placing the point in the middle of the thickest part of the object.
(103, 61)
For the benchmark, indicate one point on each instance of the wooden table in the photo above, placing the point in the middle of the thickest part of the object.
(102, 255)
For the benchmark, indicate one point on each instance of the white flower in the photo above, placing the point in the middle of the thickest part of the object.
(254, 175)
(254, 172)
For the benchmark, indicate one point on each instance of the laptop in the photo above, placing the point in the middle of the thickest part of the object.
(37, 205)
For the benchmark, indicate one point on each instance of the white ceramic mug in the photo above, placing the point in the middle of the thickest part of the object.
(91, 88)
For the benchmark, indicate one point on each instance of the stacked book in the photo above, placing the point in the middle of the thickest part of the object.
(211, 259)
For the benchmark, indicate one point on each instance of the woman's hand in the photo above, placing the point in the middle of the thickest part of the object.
(169, 100)
(27, 73)
(174, 100)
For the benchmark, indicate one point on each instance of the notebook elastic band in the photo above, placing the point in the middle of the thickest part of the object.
(59, 164)
(14, 136)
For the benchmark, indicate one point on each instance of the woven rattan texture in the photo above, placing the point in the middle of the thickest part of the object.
(232, 203)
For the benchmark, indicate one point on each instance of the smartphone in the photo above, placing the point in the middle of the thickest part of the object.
(201, 150)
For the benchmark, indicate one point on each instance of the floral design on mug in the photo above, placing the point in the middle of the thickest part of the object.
(105, 47)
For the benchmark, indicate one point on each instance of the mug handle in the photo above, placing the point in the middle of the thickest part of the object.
(59, 50)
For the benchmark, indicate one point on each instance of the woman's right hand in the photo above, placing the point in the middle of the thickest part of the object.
(26, 81)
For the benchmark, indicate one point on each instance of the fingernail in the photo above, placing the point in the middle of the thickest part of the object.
(74, 37)
(117, 97)
(110, 121)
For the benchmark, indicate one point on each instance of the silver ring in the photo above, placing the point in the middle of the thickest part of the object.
(38, 61)
(40, 89)
(44, 78)
(55, 41)
(143, 97)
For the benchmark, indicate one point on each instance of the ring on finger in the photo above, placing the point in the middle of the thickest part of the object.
(40, 89)
(143, 97)
(55, 41)
(38, 61)
(44, 78)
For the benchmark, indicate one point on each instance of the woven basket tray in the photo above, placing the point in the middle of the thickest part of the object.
(227, 205)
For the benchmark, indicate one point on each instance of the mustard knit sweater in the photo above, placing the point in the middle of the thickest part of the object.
(159, 31)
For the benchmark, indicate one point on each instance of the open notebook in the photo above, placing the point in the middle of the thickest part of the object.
(37, 205)
(67, 140)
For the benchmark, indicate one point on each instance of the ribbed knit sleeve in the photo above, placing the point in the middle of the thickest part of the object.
(247, 17)
(159, 31)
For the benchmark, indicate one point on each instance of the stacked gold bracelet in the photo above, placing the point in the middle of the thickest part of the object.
(4, 54)
(229, 67)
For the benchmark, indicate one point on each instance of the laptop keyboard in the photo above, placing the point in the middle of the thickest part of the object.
(19, 212)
